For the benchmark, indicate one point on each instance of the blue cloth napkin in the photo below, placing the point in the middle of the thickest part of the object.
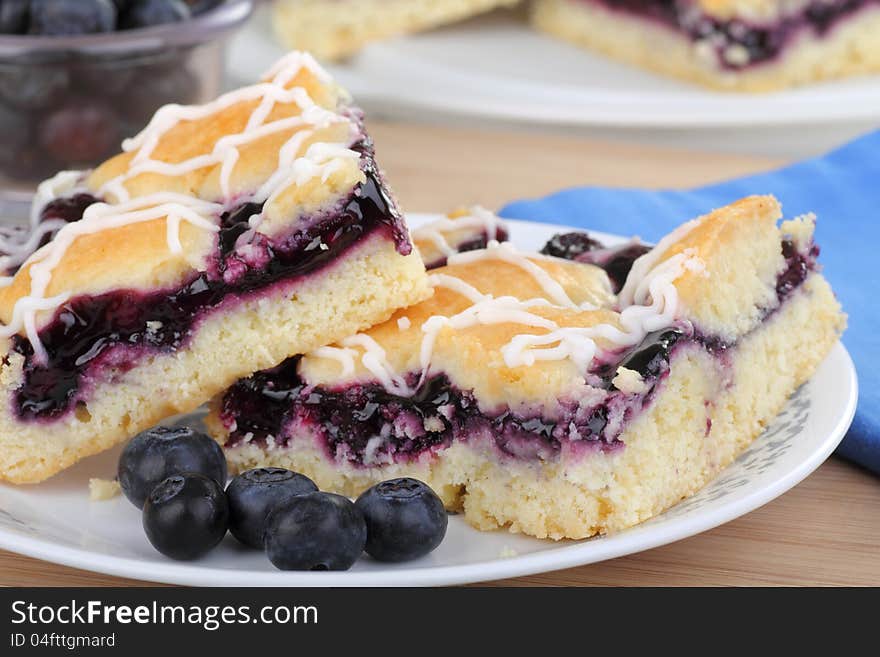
(842, 188)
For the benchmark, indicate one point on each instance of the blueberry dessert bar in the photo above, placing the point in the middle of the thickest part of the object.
(530, 396)
(337, 29)
(739, 45)
(223, 239)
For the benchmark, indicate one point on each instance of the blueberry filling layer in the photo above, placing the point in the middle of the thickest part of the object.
(113, 329)
(738, 43)
(365, 424)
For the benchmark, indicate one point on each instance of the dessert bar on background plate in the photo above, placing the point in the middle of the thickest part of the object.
(734, 45)
(529, 396)
(225, 238)
(333, 30)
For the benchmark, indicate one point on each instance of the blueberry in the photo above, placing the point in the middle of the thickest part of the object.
(33, 87)
(121, 6)
(405, 519)
(186, 515)
(102, 77)
(570, 245)
(15, 133)
(255, 493)
(14, 16)
(147, 13)
(315, 531)
(157, 86)
(197, 7)
(71, 17)
(82, 132)
(162, 452)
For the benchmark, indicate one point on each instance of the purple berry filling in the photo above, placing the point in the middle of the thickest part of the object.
(798, 266)
(67, 208)
(760, 42)
(348, 419)
(111, 331)
(580, 247)
(474, 244)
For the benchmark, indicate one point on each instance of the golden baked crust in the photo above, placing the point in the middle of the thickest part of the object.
(739, 248)
(471, 356)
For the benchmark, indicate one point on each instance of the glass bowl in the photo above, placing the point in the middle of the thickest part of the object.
(67, 102)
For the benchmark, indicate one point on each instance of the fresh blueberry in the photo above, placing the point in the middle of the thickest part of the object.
(82, 132)
(186, 515)
(255, 493)
(14, 16)
(101, 76)
(147, 13)
(197, 7)
(405, 519)
(161, 452)
(315, 531)
(71, 17)
(121, 6)
(570, 245)
(156, 86)
(14, 132)
(33, 87)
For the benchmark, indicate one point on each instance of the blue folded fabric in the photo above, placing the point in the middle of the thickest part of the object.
(842, 188)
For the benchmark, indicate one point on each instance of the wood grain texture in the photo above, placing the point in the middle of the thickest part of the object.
(826, 531)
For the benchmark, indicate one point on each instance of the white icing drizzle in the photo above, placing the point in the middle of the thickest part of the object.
(655, 306)
(18, 243)
(644, 264)
(342, 355)
(457, 285)
(96, 218)
(507, 252)
(320, 159)
(578, 343)
(404, 323)
(438, 231)
(375, 360)
(225, 151)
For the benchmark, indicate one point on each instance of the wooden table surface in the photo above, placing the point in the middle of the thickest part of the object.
(825, 531)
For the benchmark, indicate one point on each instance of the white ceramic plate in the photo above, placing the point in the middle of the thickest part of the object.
(56, 521)
(495, 66)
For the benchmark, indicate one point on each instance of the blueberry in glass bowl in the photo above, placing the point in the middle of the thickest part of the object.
(78, 76)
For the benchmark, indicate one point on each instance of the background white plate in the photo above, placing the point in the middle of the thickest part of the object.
(495, 66)
(57, 522)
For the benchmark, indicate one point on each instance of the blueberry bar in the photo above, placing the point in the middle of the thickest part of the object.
(531, 396)
(223, 239)
(738, 45)
(340, 28)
